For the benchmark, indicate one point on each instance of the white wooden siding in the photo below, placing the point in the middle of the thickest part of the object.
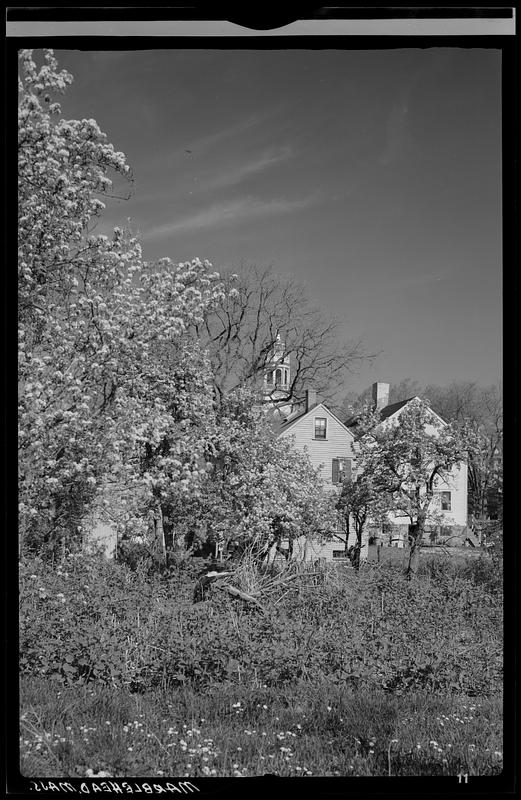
(339, 442)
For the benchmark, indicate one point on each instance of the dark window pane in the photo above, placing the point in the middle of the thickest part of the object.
(320, 427)
(341, 470)
(445, 501)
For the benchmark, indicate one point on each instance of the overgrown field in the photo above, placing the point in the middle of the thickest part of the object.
(341, 674)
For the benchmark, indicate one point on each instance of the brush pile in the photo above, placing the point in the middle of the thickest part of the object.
(256, 583)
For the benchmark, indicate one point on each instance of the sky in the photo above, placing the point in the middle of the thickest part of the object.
(372, 176)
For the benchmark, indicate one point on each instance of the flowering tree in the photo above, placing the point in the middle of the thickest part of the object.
(64, 275)
(116, 409)
(99, 329)
(405, 457)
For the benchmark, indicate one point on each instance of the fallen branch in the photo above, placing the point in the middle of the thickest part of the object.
(248, 597)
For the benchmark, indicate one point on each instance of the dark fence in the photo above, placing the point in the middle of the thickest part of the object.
(400, 555)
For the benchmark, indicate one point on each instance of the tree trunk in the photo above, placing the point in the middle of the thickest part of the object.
(357, 547)
(160, 534)
(416, 542)
(346, 548)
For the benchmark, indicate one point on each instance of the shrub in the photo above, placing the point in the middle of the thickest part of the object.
(93, 620)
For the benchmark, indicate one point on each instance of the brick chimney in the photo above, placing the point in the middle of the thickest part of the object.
(380, 395)
(311, 398)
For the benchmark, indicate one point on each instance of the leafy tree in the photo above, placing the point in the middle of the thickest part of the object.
(362, 501)
(406, 457)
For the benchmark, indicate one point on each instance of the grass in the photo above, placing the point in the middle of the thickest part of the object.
(342, 674)
(239, 731)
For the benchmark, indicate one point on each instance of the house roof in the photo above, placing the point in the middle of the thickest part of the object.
(284, 426)
(388, 411)
(286, 423)
(392, 408)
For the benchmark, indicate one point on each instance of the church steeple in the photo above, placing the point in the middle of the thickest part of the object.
(277, 378)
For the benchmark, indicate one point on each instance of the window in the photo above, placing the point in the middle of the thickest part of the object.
(320, 427)
(340, 470)
(445, 501)
(269, 377)
(278, 376)
(339, 554)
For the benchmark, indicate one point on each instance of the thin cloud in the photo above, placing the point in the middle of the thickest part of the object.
(212, 179)
(205, 144)
(240, 172)
(228, 213)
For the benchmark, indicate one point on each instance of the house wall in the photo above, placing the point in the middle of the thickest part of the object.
(339, 442)
(457, 485)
